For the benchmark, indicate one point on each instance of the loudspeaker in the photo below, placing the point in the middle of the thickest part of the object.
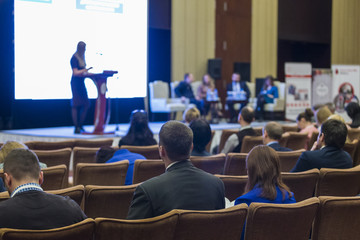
(214, 68)
(243, 69)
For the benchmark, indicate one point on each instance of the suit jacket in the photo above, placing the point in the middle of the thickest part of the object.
(243, 86)
(182, 186)
(184, 90)
(37, 210)
(241, 134)
(277, 147)
(327, 157)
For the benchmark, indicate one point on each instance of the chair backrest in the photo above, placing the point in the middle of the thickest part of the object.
(4, 196)
(337, 218)
(225, 134)
(211, 225)
(55, 157)
(249, 142)
(103, 174)
(157, 228)
(76, 193)
(302, 184)
(173, 85)
(281, 221)
(258, 131)
(234, 185)
(312, 140)
(146, 169)
(251, 87)
(211, 164)
(354, 133)
(289, 159)
(195, 85)
(339, 182)
(296, 140)
(55, 177)
(149, 152)
(84, 155)
(42, 145)
(351, 148)
(159, 89)
(108, 201)
(284, 139)
(281, 88)
(83, 230)
(290, 128)
(235, 164)
(93, 143)
(208, 146)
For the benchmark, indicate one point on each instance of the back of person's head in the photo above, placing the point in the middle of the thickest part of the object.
(22, 164)
(331, 107)
(8, 147)
(191, 114)
(186, 75)
(322, 115)
(177, 139)
(104, 154)
(335, 133)
(263, 168)
(307, 115)
(247, 114)
(353, 111)
(201, 134)
(274, 130)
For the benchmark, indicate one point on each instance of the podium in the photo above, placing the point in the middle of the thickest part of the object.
(100, 80)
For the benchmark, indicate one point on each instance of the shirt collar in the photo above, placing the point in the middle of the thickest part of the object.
(245, 127)
(26, 187)
(272, 143)
(173, 163)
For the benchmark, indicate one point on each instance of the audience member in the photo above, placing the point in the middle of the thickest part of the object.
(191, 114)
(237, 86)
(185, 91)
(139, 133)
(29, 207)
(331, 140)
(341, 119)
(272, 133)
(202, 136)
(353, 111)
(267, 95)
(104, 154)
(321, 115)
(305, 125)
(182, 186)
(234, 142)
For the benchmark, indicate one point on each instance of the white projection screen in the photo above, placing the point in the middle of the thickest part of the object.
(46, 35)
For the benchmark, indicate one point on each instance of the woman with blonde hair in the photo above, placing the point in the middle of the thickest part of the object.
(191, 114)
(322, 115)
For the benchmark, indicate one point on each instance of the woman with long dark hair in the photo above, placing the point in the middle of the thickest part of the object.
(353, 111)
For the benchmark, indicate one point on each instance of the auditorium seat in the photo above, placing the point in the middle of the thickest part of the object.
(337, 218)
(157, 228)
(211, 225)
(84, 155)
(4, 196)
(76, 193)
(208, 146)
(249, 142)
(284, 138)
(108, 201)
(354, 133)
(351, 148)
(212, 164)
(90, 143)
(296, 140)
(312, 140)
(83, 230)
(258, 131)
(146, 169)
(149, 152)
(234, 185)
(235, 164)
(290, 128)
(289, 159)
(55, 177)
(104, 174)
(225, 134)
(55, 157)
(281, 221)
(302, 184)
(44, 145)
(339, 182)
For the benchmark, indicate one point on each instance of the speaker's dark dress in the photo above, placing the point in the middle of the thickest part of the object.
(79, 93)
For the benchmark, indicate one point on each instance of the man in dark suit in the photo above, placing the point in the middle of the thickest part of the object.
(272, 133)
(185, 91)
(234, 142)
(331, 140)
(29, 207)
(182, 186)
(236, 86)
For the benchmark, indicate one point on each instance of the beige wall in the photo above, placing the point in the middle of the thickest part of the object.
(345, 46)
(264, 38)
(193, 37)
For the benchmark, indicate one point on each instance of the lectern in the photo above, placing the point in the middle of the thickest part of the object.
(100, 80)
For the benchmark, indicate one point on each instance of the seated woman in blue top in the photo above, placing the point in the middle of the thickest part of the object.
(267, 95)
(264, 178)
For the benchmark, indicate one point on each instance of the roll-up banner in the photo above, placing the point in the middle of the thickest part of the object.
(321, 87)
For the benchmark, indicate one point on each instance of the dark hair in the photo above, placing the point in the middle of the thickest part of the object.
(353, 110)
(201, 134)
(22, 164)
(177, 139)
(274, 130)
(139, 133)
(248, 114)
(80, 45)
(335, 133)
(271, 79)
(263, 167)
(308, 114)
(104, 154)
(186, 75)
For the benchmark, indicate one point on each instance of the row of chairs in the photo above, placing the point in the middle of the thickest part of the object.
(325, 217)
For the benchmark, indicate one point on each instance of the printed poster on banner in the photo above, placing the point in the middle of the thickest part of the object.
(298, 88)
(321, 87)
(346, 87)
